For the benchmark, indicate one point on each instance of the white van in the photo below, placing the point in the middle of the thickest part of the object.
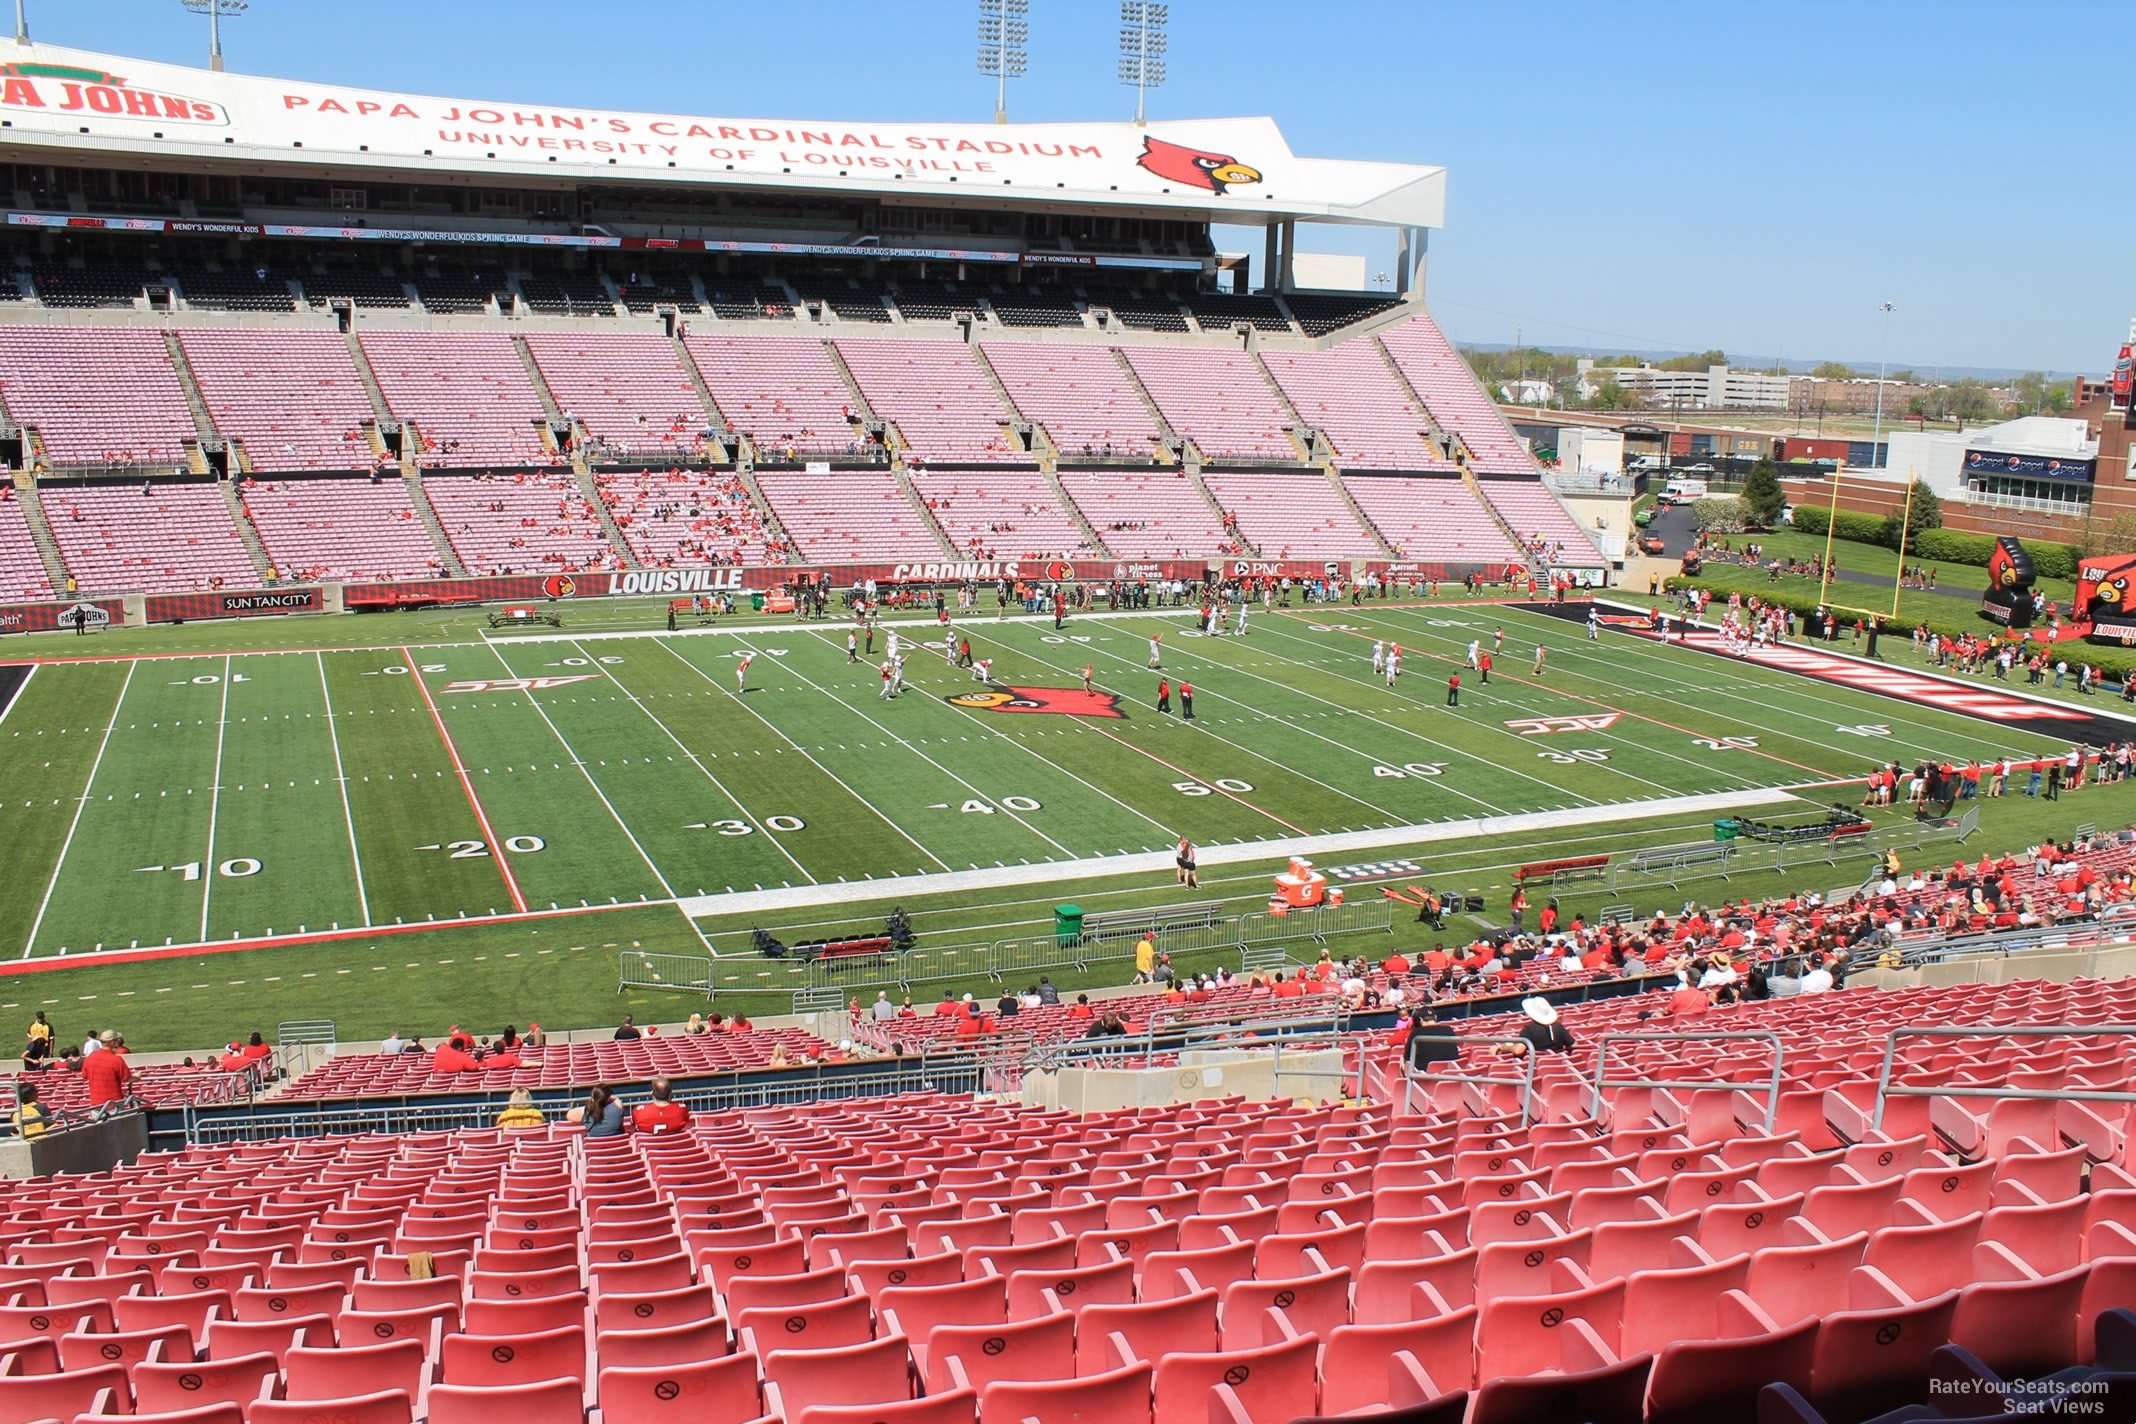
(1683, 491)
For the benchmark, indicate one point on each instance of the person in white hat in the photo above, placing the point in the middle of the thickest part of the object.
(1542, 1033)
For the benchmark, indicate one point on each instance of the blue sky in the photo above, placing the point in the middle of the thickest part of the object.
(1756, 177)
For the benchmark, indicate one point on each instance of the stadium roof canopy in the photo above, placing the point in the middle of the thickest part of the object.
(73, 106)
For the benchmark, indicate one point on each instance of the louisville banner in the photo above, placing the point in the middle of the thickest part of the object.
(1066, 701)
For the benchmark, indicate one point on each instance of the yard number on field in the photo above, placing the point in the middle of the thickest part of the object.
(479, 850)
(1726, 744)
(743, 828)
(209, 679)
(236, 869)
(1222, 783)
(980, 808)
(1576, 756)
(1412, 768)
(1865, 729)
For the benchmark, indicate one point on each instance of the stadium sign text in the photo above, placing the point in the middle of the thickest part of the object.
(69, 89)
(954, 572)
(668, 581)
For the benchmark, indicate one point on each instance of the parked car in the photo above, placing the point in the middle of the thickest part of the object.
(1693, 564)
(1651, 544)
(1645, 516)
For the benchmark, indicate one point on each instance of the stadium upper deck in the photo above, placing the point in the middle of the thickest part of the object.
(587, 331)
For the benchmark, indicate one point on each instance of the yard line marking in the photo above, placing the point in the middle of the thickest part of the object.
(341, 778)
(684, 748)
(810, 896)
(743, 703)
(498, 853)
(1019, 744)
(587, 772)
(1289, 725)
(1141, 751)
(1347, 675)
(20, 688)
(80, 806)
(902, 741)
(207, 876)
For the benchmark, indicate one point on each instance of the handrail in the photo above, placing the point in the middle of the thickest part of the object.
(1341, 1072)
(1526, 1082)
(1752, 1035)
(1885, 1091)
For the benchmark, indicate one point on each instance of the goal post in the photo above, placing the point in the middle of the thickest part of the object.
(646, 969)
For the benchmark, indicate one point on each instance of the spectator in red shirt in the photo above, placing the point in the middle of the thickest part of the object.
(106, 1075)
(255, 1048)
(662, 1113)
(948, 1006)
(1288, 988)
(452, 1057)
(1395, 965)
(1080, 1009)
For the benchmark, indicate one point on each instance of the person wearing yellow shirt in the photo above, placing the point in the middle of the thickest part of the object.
(1145, 959)
(519, 1111)
(30, 1117)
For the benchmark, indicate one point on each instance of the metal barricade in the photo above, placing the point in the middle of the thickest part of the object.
(1755, 1035)
(1885, 1091)
(643, 969)
(1525, 1082)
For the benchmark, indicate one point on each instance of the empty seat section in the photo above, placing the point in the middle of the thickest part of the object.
(1086, 402)
(1454, 397)
(862, 515)
(937, 396)
(468, 393)
(341, 528)
(1542, 523)
(783, 392)
(680, 516)
(22, 572)
(528, 522)
(1155, 514)
(1218, 399)
(1349, 392)
(1005, 515)
(96, 395)
(292, 398)
(1431, 518)
(627, 388)
(1293, 515)
(177, 536)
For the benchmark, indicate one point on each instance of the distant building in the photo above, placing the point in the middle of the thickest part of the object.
(1855, 395)
(1715, 388)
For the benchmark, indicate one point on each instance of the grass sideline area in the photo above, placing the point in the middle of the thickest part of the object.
(171, 794)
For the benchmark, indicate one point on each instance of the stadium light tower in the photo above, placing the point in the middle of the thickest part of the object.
(1142, 44)
(1883, 359)
(1004, 27)
(22, 24)
(215, 10)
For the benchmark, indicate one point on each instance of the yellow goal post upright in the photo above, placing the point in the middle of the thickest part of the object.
(1898, 573)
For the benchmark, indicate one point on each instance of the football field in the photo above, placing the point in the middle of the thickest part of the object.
(184, 800)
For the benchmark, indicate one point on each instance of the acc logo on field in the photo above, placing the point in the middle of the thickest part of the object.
(1068, 701)
(1539, 726)
(515, 684)
(560, 586)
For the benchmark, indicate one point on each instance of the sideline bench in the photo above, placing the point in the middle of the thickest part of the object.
(1116, 924)
(520, 614)
(869, 948)
(1560, 872)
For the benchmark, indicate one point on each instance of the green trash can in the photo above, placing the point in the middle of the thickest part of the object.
(756, 602)
(1068, 924)
(1725, 830)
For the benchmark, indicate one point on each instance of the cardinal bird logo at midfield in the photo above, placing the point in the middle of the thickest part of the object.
(1196, 167)
(1067, 701)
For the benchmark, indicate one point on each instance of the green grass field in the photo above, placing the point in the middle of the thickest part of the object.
(480, 824)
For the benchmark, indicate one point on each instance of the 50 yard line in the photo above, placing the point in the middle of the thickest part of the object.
(341, 779)
(497, 853)
(80, 805)
(207, 866)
